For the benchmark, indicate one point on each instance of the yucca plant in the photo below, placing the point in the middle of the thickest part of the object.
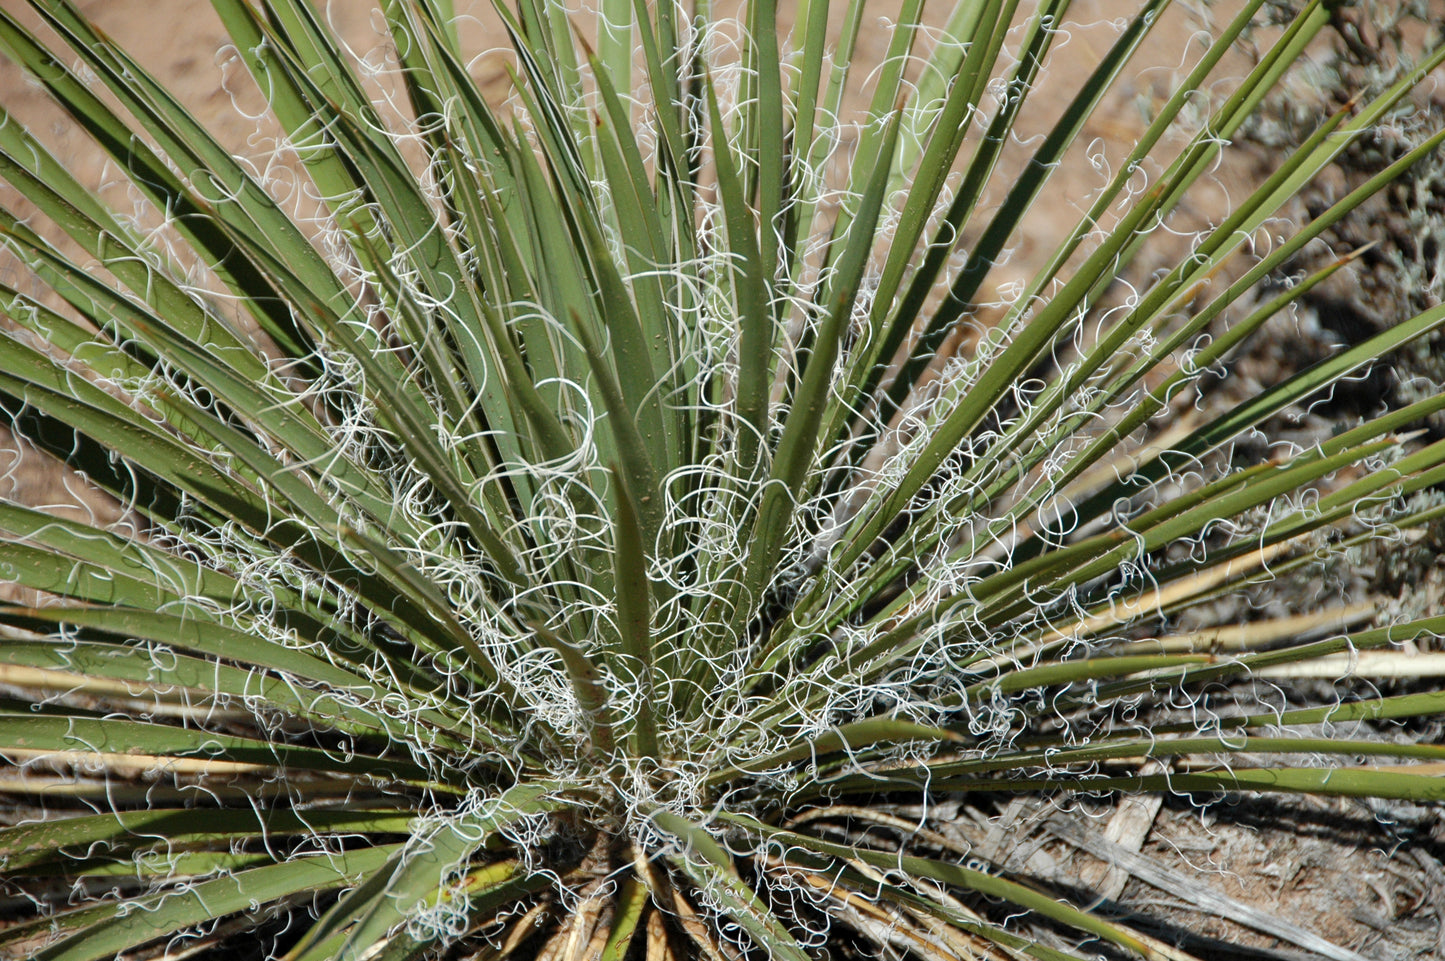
(607, 522)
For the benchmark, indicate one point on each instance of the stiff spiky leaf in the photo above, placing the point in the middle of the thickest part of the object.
(590, 525)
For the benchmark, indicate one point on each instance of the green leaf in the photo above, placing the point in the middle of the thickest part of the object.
(751, 288)
(66, 839)
(797, 446)
(853, 738)
(415, 875)
(704, 861)
(155, 747)
(631, 903)
(634, 618)
(956, 875)
(106, 931)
